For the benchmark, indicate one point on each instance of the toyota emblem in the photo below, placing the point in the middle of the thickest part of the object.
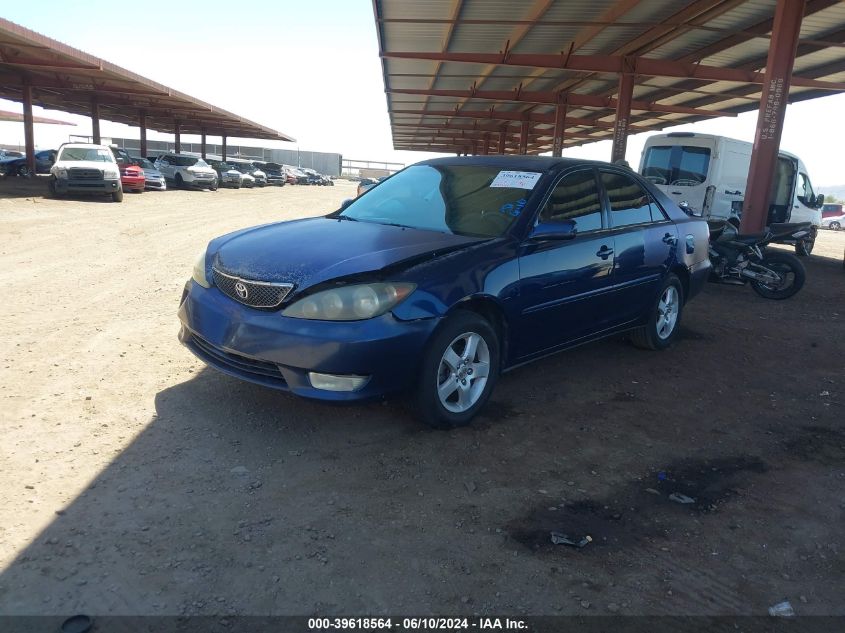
(241, 289)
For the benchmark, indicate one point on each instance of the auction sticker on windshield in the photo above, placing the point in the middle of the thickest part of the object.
(516, 179)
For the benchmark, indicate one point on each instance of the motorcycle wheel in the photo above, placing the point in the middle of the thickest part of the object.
(791, 271)
(803, 248)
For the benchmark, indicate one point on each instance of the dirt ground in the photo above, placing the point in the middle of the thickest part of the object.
(135, 481)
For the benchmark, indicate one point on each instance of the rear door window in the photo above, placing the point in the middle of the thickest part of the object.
(676, 165)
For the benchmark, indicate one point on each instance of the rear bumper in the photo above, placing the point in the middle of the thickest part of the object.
(698, 275)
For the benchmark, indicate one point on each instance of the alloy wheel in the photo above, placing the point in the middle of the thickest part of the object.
(667, 312)
(463, 371)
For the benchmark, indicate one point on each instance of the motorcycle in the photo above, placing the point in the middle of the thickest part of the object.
(740, 259)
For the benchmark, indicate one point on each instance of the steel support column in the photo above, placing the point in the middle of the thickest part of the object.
(486, 149)
(28, 128)
(503, 140)
(202, 144)
(623, 117)
(177, 142)
(223, 149)
(95, 121)
(560, 126)
(523, 138)
(764, 155)
(142, 123)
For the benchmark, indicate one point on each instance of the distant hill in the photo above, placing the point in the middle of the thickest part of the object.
(833, 191)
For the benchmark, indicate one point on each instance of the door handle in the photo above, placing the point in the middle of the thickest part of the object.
(670, 239)
(605, 252)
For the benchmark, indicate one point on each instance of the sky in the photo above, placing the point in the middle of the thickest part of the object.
(312, 71)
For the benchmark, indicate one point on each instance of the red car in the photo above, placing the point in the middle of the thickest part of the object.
(131, 173)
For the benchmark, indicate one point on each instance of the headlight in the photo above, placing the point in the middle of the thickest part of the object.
(199, 271)
(350, 303)
(111, 173)
(61, 172)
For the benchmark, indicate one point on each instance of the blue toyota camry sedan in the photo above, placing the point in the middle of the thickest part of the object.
(440, 278)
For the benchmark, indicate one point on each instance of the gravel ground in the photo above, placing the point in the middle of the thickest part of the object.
(135, 481)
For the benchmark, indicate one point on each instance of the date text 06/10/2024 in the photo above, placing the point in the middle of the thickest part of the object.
(417, 624)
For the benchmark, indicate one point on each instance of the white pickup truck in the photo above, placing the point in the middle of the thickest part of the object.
(85, 168)
(707, 175)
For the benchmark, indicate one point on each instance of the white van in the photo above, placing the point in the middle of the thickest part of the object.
(707, 175)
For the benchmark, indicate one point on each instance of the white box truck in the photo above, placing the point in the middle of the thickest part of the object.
(707, 174)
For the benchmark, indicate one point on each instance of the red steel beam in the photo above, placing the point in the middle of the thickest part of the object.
(95, 121)
(501, 115)
(560, 127)
(523, 137)
(410, 128)
(623, 116)
(764, 155)
(142, 124)
(616, 64)
(521, 96)
(28, 128)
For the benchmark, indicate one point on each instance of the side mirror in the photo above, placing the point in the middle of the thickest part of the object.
(346, 203)
(561, 230)
(819, 201)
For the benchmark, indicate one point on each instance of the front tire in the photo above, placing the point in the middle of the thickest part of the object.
(180, 183)
(834, 226)
(458, 372)
(664, 317)
(24, 171)
(789, 268)
(117, 196)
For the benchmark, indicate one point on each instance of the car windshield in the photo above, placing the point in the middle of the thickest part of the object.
(476, 200)
(676, 165)
(86, 153)
(185, 161)
(144, 163)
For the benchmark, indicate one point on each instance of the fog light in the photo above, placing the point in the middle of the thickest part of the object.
(330, 382)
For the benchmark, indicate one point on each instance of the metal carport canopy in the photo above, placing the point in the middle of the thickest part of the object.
(468, 75)
(63, 78)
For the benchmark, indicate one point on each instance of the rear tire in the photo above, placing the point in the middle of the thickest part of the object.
(117, 196)
(785, 264)
(664, 317)
(459, 369)
(804, 247)
(24, 171)
(835, 226)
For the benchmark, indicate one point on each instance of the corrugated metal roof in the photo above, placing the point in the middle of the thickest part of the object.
(730, 34)
(64, 78)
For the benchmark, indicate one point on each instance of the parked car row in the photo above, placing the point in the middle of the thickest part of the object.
(155, 172)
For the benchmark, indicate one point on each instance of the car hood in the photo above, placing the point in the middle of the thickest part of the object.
(86, 164)
(311, 251)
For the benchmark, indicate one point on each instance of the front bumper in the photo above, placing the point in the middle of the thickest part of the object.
(276, 351)
(159, 184)
(133, 184)
(108, 185)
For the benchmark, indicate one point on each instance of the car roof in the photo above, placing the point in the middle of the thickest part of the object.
(517, 163)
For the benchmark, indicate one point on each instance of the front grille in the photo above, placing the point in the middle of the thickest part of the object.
(80, 173)
(235, 362)
(256, 294)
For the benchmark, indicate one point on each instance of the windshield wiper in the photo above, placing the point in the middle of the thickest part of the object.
(346, 217)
